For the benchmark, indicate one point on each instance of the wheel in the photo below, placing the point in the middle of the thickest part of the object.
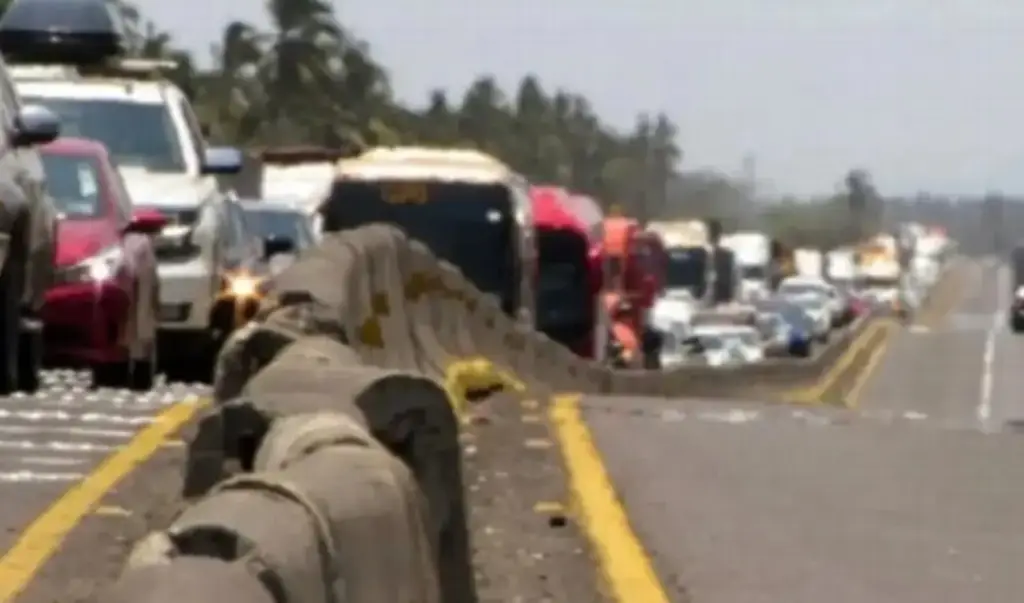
(10, 326)
(30, 361)
(111, 374)
(186, 357)
(142, 372)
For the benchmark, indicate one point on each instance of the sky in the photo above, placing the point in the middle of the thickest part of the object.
(926, 94)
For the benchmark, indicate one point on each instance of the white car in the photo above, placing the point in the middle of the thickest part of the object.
(805, 285)
(817, 309)
(742, 340)
(151, 131)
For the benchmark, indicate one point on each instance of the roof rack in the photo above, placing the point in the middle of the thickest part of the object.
(130, 69)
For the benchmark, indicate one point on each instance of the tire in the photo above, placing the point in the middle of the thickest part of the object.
(10, 327)
(196, 366)
(30, 361)
(142, 372)
(111, 374)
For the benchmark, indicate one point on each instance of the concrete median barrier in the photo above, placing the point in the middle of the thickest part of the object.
(330, 461)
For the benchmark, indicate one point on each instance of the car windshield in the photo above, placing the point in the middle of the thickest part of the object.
(753, 272)
(74, 183)
(280, 224)
(135, 134)
(800, 288)
(712, 343)
(748, 338)
(795, 316)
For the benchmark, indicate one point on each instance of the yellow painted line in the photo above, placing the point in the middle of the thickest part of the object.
(812, 395)
(624, 564)
(45, 535)
(853, 397)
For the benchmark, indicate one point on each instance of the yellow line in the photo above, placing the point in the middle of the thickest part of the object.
(623, 562)
(812, 394)
(852, 398)
(45, 535)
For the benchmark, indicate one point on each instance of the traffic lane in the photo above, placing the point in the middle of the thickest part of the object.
(51, 440)
(938, 374)
(1007, 374)
(848, 511)
(939, 371)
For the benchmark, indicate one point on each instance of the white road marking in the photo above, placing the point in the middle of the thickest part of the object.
(984, 411)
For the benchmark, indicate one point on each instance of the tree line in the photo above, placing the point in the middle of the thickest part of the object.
(308, 79)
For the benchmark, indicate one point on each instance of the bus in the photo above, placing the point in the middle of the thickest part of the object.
(568, 276)
(468, 207)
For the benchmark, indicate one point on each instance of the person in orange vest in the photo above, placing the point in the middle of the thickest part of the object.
(623, 329)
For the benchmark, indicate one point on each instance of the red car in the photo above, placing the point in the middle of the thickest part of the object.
(102, 311)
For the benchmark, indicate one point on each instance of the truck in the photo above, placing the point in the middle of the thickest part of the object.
(878, 269)
(752, 252)
(690, 265)
(809, 262)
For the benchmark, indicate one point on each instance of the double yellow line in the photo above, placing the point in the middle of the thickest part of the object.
(814, 394)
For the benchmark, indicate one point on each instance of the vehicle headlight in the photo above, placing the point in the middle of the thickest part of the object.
(99, 268)
(243, 285)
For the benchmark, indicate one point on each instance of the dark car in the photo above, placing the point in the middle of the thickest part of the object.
(27, 248)
(103, 310)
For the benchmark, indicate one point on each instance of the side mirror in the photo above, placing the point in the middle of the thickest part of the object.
(222, 161)
(277, 246)
(35, 124)
(147, 222)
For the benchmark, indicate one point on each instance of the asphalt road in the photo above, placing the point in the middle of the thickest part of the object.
(751, 504)
(913, 496)
(966, 370)
(51, 440)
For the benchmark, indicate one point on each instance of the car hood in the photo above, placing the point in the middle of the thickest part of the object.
(155, 188)
(78, 240)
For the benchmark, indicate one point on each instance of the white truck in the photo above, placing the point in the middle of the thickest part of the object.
(753, 258)
(809, 262)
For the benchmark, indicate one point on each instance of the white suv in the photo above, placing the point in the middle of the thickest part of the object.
(151, 131)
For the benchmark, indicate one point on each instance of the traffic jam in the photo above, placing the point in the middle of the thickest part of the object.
(133, 247)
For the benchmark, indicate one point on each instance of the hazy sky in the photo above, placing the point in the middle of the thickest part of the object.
(927, 94)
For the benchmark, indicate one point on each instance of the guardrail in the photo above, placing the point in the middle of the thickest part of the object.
(328, 468)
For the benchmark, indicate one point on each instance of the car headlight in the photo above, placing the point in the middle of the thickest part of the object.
(243, 285)
(99, 268)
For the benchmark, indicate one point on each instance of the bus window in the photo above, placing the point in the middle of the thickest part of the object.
(471, 225)
(688, 269)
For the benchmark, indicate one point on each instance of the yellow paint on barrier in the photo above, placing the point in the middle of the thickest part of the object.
(624, 564)
(46, 534)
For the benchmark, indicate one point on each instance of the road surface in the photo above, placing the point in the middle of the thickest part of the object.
(913, 496)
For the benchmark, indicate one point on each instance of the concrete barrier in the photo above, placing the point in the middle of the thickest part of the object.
(328, 468)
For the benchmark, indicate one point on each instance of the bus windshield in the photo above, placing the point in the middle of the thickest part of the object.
(565, 300)
(688, 269)
(469, 224)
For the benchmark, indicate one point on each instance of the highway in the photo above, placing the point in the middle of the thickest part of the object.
(912, 496)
